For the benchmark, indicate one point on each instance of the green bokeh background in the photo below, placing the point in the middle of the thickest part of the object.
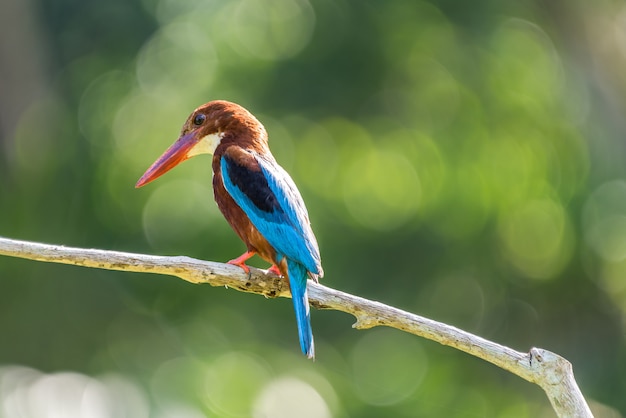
(461, 160)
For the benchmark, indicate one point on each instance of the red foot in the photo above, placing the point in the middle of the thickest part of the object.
(241, 260)
(274, 269)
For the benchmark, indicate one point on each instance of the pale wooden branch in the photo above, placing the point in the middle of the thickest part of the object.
(550, 371)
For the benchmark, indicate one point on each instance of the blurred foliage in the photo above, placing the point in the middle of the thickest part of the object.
(464, 161)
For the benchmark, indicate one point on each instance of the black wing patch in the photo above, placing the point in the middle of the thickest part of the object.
(253, 184)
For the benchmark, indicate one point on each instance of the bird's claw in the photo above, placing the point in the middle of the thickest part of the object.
(241, 261)
(241, 264)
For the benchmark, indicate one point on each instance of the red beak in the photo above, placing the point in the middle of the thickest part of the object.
(174, 155)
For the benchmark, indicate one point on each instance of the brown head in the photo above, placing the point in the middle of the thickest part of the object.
(213, 125)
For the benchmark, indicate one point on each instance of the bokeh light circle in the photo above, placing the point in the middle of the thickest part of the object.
(269, 30)
(178, 210)
(537, 238)
(233, 382)
(288, 397)
(178, 61)
(381, 189)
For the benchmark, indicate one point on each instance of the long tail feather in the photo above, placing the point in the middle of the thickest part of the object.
(297, 282)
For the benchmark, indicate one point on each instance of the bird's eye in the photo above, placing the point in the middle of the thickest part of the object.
(199, 119)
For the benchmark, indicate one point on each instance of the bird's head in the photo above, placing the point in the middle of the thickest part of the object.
(214, 124)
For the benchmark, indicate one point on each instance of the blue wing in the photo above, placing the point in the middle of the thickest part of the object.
(273, 203)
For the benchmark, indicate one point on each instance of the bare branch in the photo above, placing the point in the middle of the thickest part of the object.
(550, 371)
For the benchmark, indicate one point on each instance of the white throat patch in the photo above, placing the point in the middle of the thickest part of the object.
(206, 145)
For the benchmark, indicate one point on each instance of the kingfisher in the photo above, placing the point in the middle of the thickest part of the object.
(257, 197)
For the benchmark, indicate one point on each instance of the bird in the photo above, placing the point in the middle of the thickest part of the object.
(256, 195)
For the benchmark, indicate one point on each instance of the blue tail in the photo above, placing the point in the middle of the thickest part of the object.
(297, 282)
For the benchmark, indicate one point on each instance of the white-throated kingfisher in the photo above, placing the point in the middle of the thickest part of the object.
(257, 197)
